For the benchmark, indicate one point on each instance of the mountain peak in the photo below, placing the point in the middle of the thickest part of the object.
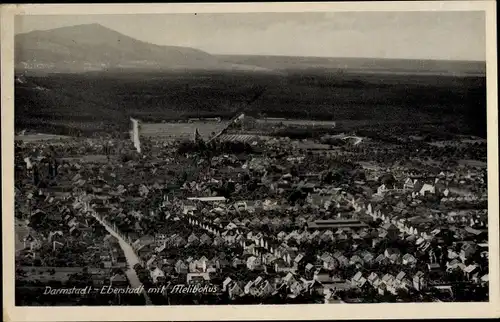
(88, 26)
(96, 46)
(91, 29)
(94, 24)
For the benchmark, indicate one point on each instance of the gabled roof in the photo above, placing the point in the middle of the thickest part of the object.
(408, 257)
(389, 226)
(419, 274)
(157, 273)
(400, 275)
(235, 287)
(227, 281)
(118, 278)
(372, 277)
(470, 268)
(357, 276)
(249, 285)
(299, 258)
(289, 277)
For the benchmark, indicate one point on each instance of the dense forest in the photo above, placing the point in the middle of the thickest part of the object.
(97, 101)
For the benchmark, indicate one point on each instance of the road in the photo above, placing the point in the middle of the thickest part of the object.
(131, 257)
(358, 139)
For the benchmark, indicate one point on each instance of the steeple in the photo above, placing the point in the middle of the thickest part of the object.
(197, 136)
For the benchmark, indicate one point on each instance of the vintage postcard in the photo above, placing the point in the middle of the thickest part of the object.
(250, 161)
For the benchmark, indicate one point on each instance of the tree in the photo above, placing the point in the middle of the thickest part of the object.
(296, 196)
(387, 179)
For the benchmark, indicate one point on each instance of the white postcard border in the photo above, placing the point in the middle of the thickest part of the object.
(243, 312)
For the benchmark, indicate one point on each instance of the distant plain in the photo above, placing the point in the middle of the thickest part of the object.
(101, 101)
(70, 81)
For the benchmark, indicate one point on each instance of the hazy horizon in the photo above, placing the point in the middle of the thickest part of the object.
(429, 35)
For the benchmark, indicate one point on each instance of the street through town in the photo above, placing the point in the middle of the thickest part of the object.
(131, 257)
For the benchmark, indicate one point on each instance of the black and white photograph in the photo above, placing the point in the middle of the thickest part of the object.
(251, 158)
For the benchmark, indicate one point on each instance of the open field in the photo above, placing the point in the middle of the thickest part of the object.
(473, 163)
(288, 122)
(40, 137)
(109, 99)
(181, 130)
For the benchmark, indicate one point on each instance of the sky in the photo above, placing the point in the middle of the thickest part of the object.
(445, 35)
